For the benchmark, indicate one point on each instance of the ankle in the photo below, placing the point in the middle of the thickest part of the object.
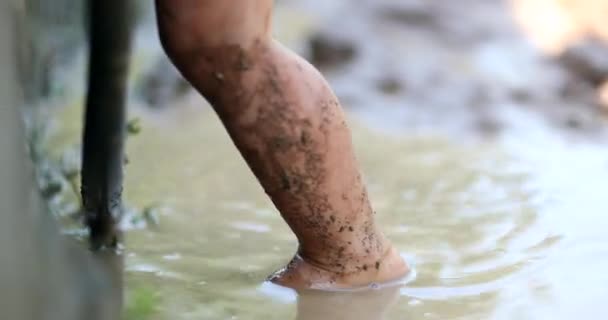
(349, 256)
(303, 273)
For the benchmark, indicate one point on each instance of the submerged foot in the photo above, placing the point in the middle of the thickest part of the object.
(300, 274)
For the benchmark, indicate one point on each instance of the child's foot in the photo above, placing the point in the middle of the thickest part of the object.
(300, 274)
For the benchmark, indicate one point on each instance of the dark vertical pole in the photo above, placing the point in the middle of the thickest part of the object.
(102, 161)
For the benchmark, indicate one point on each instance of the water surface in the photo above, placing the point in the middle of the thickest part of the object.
(504, 229)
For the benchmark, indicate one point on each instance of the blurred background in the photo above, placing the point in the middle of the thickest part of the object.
(481, 127)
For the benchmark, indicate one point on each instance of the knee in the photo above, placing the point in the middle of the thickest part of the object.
(190, 27)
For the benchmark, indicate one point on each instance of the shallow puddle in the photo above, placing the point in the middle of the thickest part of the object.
(512, 229)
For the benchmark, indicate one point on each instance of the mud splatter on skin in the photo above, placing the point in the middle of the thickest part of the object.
(286, 150)
(219, 76)
(305, 138)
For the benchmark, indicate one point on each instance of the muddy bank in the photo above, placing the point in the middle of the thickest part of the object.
(418, 66)
(433, 66)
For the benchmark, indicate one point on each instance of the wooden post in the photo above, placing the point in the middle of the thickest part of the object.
(103, 155)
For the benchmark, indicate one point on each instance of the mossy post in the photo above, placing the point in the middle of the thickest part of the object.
(109, 33)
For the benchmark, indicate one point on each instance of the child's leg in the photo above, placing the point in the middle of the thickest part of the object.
(289, 127)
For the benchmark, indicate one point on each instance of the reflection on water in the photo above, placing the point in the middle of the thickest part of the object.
(356, 306)
(496, 231)
(318, 305)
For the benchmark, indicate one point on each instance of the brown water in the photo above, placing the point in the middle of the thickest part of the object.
(512, 229)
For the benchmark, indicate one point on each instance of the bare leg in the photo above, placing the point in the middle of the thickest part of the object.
(289, 127)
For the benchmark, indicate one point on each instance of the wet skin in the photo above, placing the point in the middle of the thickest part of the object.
(290, 129)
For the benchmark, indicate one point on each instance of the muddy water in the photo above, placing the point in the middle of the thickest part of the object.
(512, 229)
